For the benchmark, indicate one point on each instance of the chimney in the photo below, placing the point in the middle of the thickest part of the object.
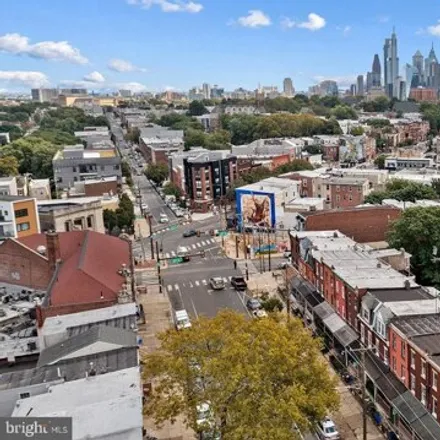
(53, 249)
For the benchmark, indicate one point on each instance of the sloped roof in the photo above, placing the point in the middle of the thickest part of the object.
(89, 269)
(117, 338)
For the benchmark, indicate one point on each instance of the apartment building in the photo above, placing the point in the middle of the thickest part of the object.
(18, 217)
(208, 177)
(8, 186)
(75, 163)
(344, 192)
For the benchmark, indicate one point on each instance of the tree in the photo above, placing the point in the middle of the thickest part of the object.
(264, 370)
(125, 213)
(417, 230)
(126, 172)
(272, 304)
(357, 131)
(157, 172)
(294, 165)
(171, 189)
(194, 138)
(403, 190)
(218, 140)
(110, 219)
(380, 161)
(196, 108)
(14, 131)
(56, 137)
(344, 112)
(8, 166)
(133, 135)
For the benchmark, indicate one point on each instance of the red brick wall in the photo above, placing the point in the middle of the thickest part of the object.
(363, 225)
(100, 188)
(347, 198)
(280, 160)
(23, 267)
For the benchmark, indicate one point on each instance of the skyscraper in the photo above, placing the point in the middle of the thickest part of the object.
(411, 78)
(206, 90)
(432, 70)
(360, 85)
(376, 72)
(391, 66)
(417, 62)
(369, 84)
(288, 89)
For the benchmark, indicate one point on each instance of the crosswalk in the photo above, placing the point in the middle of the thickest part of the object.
(192, 247)
(192, 284)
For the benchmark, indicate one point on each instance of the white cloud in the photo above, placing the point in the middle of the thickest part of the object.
(24, 78)
(344, 29)
(287, 23)
(169, 6)
(383, 19)
(48, 50)
(434, 29)
(94, 77)
(343, 81)
(255, 19)
(314, 22)
(104, 86)
(119, 65)
(135, 87)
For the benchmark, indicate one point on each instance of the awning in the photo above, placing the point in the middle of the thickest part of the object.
(323, 310)
(426, 427)
(346, 335)
(306, 291)
(334, 322)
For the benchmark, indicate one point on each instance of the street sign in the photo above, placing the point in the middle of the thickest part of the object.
(173, 228)
(176, 260)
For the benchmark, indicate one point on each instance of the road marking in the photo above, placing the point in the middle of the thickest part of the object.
(199, 245)
(191, 284)
(176, 286)
(197, 283)
(230, 278)
(203, 243)
(212, 240)
(170, 288)
(204, 282)
(194, 307)
(194, 246)
(173, 254)
(167, 255)
(183, 284)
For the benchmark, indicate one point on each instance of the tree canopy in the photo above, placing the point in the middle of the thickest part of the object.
(157, 172)
(431, 113)
(403, 190)
(381, 104)
(196, 108)
(418, 232)
(259, 378)
(344, 112)
(171, 189)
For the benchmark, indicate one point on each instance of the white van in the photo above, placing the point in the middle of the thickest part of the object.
(182, 319)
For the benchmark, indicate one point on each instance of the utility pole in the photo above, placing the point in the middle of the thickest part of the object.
(152, 247)
(259, 251)
(268, 243)
(158, 267)
(236, 246)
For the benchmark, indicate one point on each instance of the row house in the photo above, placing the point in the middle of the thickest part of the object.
(380, 307)
(415, 357)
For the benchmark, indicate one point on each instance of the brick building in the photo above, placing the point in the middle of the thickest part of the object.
(80, 270)
(157, 151)
(363, 225)
(345, 192)
(422, 94)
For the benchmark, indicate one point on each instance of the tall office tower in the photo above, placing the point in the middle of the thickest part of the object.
(376, 72)
(391, 66)
(206, 90)
(288, 88)
(360, 85)
(417, 62)
(353, 90)
(369, 83)
(411, 79)
(432, 70)
(44, 95)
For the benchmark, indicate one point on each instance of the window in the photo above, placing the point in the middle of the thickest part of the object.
(423, 395)
(74, 169)
(362, 333)
(393, 341)
(402, 373)
(338, 198)
(67, 226)
(21, 213)
(24, 395)
(116, 167)
(366, 314)
(413, 359)
(423, 369)
(434, 380)
(381, 329)
(350, 189)
(434, 407)
(393, 364)
(385, 355)
(370, 339)
(89, 221)
(351, 197)
(403, 350)
(23, 227)
(412, 383)
(338, 188)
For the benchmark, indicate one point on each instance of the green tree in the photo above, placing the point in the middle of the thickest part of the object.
(125, 213)
(14, 131)
(56, 137)
(378, 123)
(196, 108)
(380, 161)
(157, 172)
(357, 131)
(378, 105)
(171, 189)
(218, 140)
(403, 190)
(8, 166)
(417, 230)
(194, 138)
(110, 219)
(241, 127)
(247, 370)
(126, 172)
(133, 135)
(344, 112)
(294, 165)
(272, 304)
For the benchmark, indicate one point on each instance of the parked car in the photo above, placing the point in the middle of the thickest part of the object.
(260, 313)
(253, 304)
(326, 430)
(189, 233)
(238, 283)
(163, 218)
(182, 319)
(144, 207)
(217, 283)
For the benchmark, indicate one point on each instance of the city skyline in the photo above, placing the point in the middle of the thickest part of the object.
(94, 49)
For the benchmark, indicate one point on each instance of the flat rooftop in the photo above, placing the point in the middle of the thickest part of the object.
(271, 185)
(114, 398)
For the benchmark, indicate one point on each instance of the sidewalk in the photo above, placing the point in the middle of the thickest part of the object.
(158, 317)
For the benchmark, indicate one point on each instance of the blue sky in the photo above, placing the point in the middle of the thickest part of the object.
(158, 44)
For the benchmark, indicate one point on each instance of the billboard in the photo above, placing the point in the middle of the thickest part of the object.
(255, 209)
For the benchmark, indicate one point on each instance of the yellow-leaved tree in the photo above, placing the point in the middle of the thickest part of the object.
(234, 378)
